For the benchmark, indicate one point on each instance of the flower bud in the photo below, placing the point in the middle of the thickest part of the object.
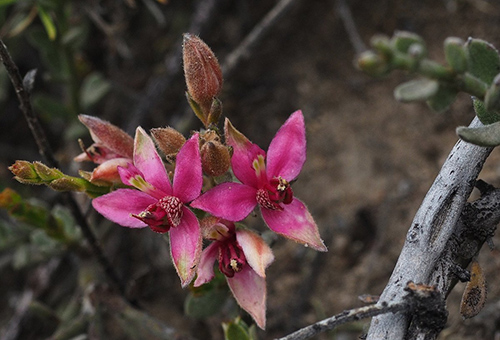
(67, 184)
(402, 40)
(24, 172)
(215, 157)
(202, 72)
(45, 173)
(169, 140)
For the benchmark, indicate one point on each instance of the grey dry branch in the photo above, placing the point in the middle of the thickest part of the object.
(45, 150)
(428, 239)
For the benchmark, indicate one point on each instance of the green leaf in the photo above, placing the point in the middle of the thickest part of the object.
(486, 117)
(204, 304)
(455, 54)
(443, 98)
(487, 135)
(420, 89)
(47, 22)
(50, 107)
(93, 89)
(482, 59)
(402, 40)
(6, 2)
(236, 330)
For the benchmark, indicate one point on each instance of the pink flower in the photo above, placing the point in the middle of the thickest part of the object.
(243, 257)
(265, 181)
(159, 204)
(112, 147)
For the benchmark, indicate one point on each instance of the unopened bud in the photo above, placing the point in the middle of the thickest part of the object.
(169, 140)
(24, 172)
(45, 173)
(67, 184)
(215, 157)
(455, 54)
(202, 72)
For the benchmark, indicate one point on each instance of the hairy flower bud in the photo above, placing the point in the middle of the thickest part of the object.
(169, 140)
(202, 72)
(24, 172)
(215, 157)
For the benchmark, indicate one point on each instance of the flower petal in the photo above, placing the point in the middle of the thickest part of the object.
(258, 254)
(119, 205)
(231, 201)
(244, 153)
(188, 177)
(108, 172)
(206, 267)
(147, 160)
(249, 290)
(109, 135)
(295, 222)
(185, 246)
(287, 152)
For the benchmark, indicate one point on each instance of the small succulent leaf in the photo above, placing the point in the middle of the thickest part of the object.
(414, 90)
(482, 59)
(492, 97)
(442, 99)
(488, 135)
(486, 117)
(402, 40)
(455, 54)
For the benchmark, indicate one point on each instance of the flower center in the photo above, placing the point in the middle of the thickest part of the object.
(277, 191)
(162, 215)
(231, 257)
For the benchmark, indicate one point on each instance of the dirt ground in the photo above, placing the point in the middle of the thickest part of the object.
(370, 159)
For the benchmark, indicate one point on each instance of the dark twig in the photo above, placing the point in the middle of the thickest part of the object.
(46, 152)
(350, 26)
(345, 317)
(258, 32)
(157, 86)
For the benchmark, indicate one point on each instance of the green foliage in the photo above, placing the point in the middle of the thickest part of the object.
(208, 299)
(239, 330)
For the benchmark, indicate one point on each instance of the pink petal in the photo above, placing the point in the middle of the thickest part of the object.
(287, 151)
(118, 206)
(188, 176)
(109, 135)
(244, 153)
(258, 254)
(205, 270)
(249, 290)
(147, 160)
(295, 222)
(185, 246)
(231, 201)
(108, 171)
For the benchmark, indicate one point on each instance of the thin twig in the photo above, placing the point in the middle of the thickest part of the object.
(258, 32)
(344, 317)
(46, 152)
(350, 26)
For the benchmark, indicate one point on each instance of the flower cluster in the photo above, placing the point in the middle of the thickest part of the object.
(140, 192)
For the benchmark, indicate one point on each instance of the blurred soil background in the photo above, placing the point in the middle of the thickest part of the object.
(370, 159)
